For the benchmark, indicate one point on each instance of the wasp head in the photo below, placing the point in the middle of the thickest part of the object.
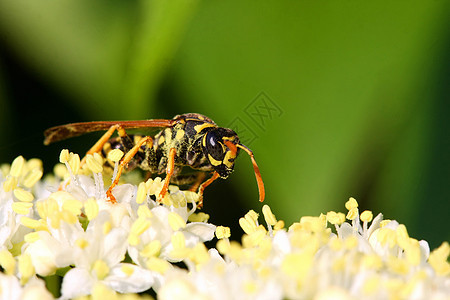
(219, 146)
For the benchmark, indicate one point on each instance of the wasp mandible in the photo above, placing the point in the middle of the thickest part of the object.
(190, 139)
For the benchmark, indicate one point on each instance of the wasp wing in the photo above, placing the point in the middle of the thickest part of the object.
(62, 132)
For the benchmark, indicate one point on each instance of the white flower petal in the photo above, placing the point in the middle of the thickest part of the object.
(9, 287)
(77, 282)
(204, 231)
(140, 280)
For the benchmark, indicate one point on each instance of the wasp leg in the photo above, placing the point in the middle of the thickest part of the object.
(200, 177)
(204, 185)
(104, 139)
(169, 172)
(123, 163)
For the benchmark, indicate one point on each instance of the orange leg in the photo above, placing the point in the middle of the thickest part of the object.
(169, 172)
(200, 177)
(204, 185)
(105, 138)
(124, 162)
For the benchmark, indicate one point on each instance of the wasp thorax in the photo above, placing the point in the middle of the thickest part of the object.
(219, 147)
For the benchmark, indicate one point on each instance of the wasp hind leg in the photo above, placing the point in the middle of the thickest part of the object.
(98, 146)
(124, 162)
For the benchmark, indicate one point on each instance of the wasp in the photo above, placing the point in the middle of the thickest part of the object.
(191, 140)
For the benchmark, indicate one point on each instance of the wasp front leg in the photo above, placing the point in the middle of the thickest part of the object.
(204, 185)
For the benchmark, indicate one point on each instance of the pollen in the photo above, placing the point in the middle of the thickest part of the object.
(127, 269)
(151, 249)
(81, 243)
(398, 265)
(371, 285)
(198, 217)
(144, 212)
(32, 178)
(68, 217)
(158, 265)
(74, 163)
(23, 195)
(268, 215)
(17, 166)
(351, 242)
(101, 269)
(246, 225)
(252, 216)
(101, 291)
(64, 156)
(139, 226)
(107, 226)
(176, 222)
(115, 155)
(387, 236)
(141, 194)
(335, 218)
(384, 223)
(372, 261)
(279, 225)
(30, 223)
(9, 184)
(91, 209)
(254, 239)
(199, 254)
(47, 208)
(133, 240)
(73, 206)
(439, 259)
(7, 262)
(191, 197)
(178, 241)
(93, 164)
(351, 204)
(60, 170)
(352, 213)
(25, 268)
(22, 208)
(223, 232)
(297, 265)
(223, 246)
(250, 287)
(366, 216)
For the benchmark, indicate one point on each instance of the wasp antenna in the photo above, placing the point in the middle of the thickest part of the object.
(259, 180)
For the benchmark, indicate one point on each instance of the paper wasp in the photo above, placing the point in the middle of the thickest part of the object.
(189, 139)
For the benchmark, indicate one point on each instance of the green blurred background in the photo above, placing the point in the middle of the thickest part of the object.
(336, 98)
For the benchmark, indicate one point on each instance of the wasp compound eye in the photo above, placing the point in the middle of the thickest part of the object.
(214, 146)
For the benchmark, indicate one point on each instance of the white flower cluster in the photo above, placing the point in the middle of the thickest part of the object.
(65, 225)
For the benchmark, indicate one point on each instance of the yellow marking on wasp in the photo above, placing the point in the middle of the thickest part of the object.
(168, 135)
(228, 138)
(107, 147)
(137, 138)
(229, 155)
(213, 161)
(179, 135)
(161, 140)
(204, 141)
(200, 127)
(121, 131)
